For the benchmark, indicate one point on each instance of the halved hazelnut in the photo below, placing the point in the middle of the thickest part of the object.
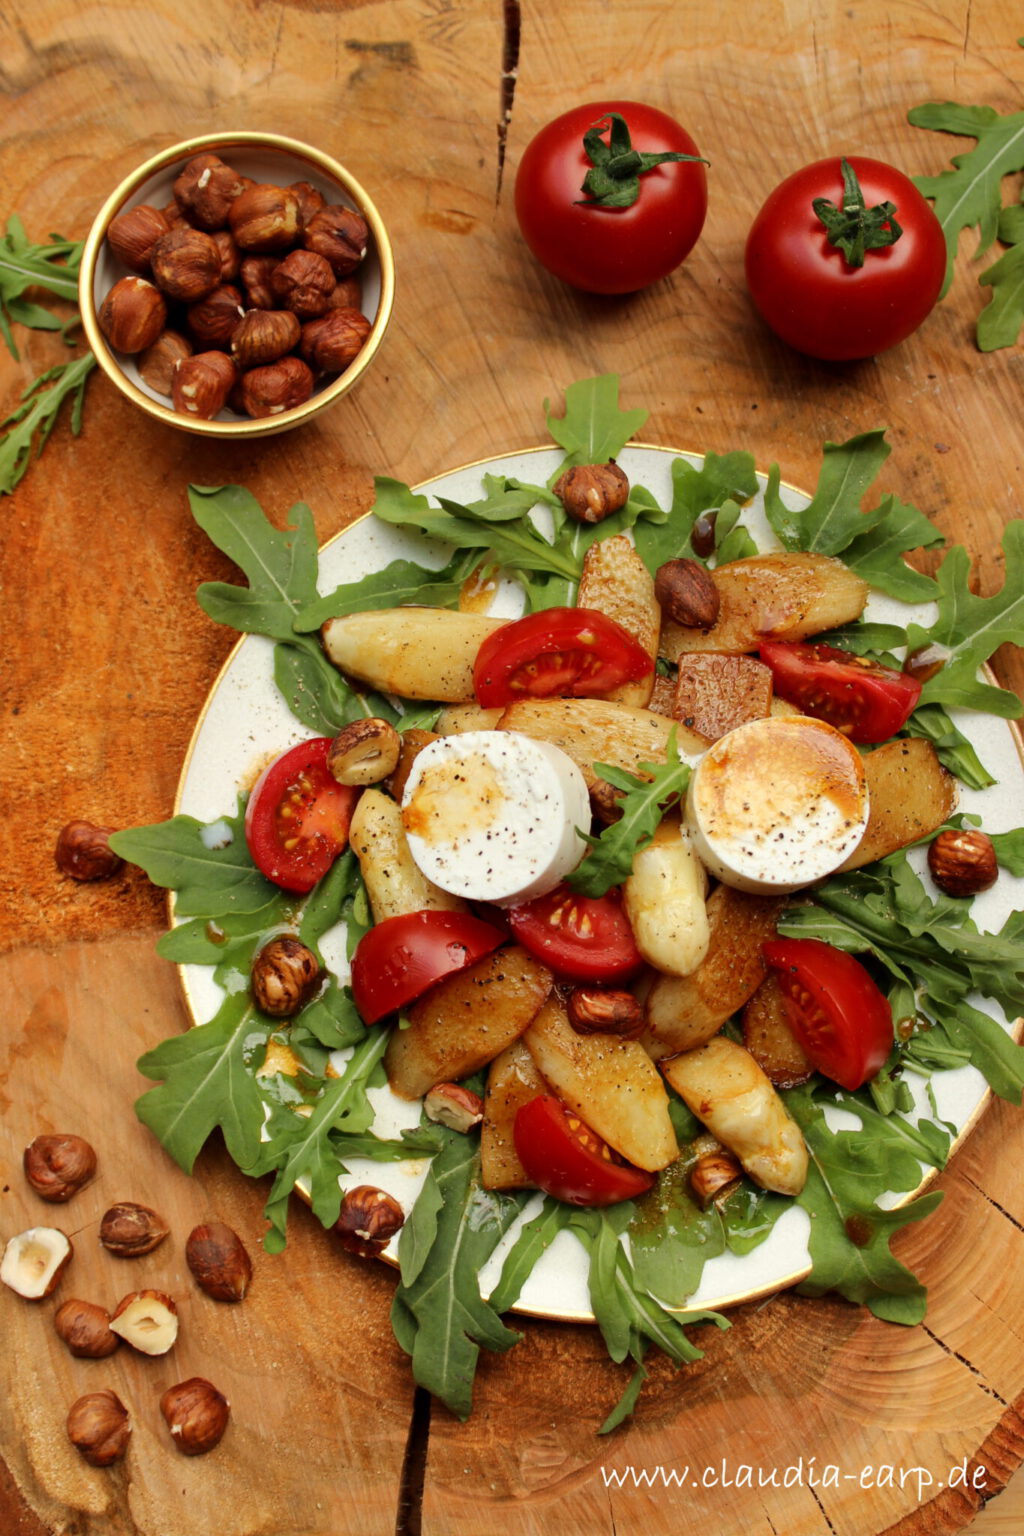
(219, 1261)
(147, 1320)
(85, 1328)
(368, 1220)
(130, 1230)
(196, 1415)
(364, 752)
(34, 1261)
(57, 1166)
(450, 1104)
(285, 975)
(99, 1427)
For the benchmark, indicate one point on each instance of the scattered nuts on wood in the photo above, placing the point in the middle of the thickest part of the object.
(368, 1220)
(99, 1427)
(34, 1261)
(147, 1320)
(715, 1175)
(130, 1230)
(963, 863)
(591, 492)
(219, 1261)
(58, 1165)
(364, 752)
(687, 594)
(83, 851)
(196, 1414)
(453, 1105)
(285, 975)
(85, 1328)
(600, 1011)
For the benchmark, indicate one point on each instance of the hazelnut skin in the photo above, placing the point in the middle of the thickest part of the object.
(133, 234)
(278, 387)
(303, 282)
(256, 273)
(132, 315)
(58, 1166)
(186, 264)
(83, 851)
(196, 1415)
(99, 1427)
(85, 1328)
(310, 200)
(591, 492)
(963, 863)
(214, 320)
(687, 594)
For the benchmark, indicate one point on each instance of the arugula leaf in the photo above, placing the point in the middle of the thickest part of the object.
(612, 852)
(972, 628)
(709, 487)
(593, 428)
(970, 195)
(402, 581)
(952, 747)
(205, 1084)
(532, 1241)
(31, 422)
(300, 1147)
(1009, 850)
(440, 1318)
(1000, 322)
(207, 865)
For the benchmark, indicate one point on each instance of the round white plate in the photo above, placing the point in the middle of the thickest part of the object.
(245, 723)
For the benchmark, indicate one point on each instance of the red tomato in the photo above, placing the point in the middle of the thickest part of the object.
(296, 821)
(610, 249)
(399, 959)
(861, 698)
(574, 653)
(565, 1158)
(586, 938)
(807, 290)
(841, 1019)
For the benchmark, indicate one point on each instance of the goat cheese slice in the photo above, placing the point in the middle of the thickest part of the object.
(493, 815)
(777, 803)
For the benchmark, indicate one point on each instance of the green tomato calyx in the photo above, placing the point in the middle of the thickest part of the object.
(613, 180)
(854, 228)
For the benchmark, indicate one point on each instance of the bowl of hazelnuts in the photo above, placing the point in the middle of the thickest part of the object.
(236, 284)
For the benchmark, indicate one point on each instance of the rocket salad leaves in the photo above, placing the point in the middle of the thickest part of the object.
(247, 1074)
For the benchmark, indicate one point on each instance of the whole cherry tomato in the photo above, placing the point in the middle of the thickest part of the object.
(611, 196)
(845, 259)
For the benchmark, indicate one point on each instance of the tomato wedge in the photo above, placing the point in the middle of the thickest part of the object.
(568, 1160)
(574, 653)
(297, 818)
(586, 938)
(836, 1011)
(861, 698)
(399, 959)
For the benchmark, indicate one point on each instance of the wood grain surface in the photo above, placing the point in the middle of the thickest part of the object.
(107, 661)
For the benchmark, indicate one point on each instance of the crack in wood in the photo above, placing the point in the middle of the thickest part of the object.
(954, 1354)
(511, 32)
(994, 1203)
(409, 1515)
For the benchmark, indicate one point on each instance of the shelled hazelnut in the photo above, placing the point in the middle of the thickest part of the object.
(83, 851)
(236, 267)
(57, 1166)
(85, 1328)
(99, 1427)
(196, 1415)
(131, 1230)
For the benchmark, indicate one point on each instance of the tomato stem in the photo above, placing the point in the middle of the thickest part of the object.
(616, 167)
(854, 228)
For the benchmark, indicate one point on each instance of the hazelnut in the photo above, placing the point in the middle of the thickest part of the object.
(278, 387)
(347, 293)
(219, 1261)
(83, 851)
(596, 1011)
(365, 752)
(714, 1175)
(156, 364)
(130, 1230)
(201, 384)
(214, 320)
(450, 1104)
(147, 1320)
(963, 862)
(85, 1328)
(256, 273)
(205, 190)
(285, 975)
(133, 234)
(264, 335)
(925, 661)
(33, 1262)
(265, 218)
(591, 492)
(369, 1219)
(196, 1414)
(309, 198)
(702, 534)
(58, 1166)
(186, 263)
(99, 1427)
(606, 802)
(132, 315)
(687, 593)
(303, 282)
(340, 234)
(334, 340)
(230, 255)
